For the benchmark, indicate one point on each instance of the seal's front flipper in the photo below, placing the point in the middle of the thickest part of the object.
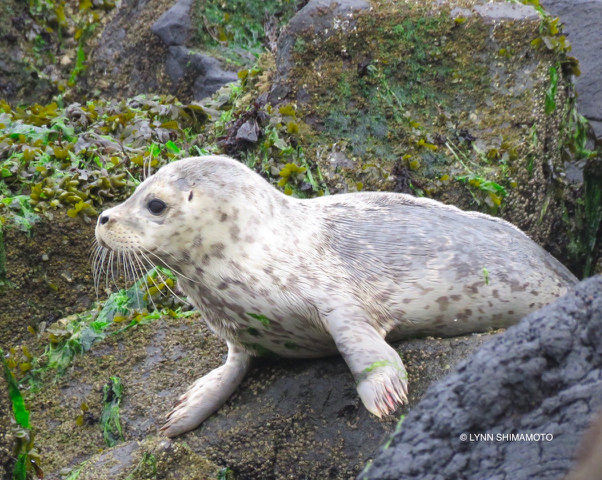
(208, 393)
(381, 378)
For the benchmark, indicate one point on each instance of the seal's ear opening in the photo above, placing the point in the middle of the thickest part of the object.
(190, 196)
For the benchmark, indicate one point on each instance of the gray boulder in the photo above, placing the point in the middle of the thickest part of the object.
(543, 376)
(205, 72)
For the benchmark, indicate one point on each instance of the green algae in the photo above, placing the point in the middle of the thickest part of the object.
(28, 458)
(235, 31)
(265, 321)
(78, 157)
(593, 217)
(146, 468)
(550, 103)
(112, 394)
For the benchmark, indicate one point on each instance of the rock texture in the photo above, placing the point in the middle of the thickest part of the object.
(543, 375)
(581, 19)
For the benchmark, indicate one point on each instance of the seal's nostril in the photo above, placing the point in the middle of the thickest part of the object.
(104, 219)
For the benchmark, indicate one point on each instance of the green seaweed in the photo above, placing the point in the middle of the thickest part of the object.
(146, 468)
(225, 474)
(378, 364)
(76, 472)
(18, 404)
(76, 158)
(265, 321)
(593, 216)
(227, 29)
(28, 459)
(112, 394)
(124, 309)
(486, 275)
(550, 100)
(395, 432)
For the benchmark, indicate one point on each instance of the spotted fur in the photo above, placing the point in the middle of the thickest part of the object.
(275, 275)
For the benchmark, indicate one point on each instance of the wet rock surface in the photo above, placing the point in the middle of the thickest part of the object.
(19, 79)
(543, 375)
(582, 23)
(126, 58)
(322, 18)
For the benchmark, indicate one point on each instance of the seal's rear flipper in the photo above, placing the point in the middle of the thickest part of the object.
(208, 393)
(382, 381)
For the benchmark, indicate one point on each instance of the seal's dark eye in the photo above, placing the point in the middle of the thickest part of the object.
(156, 206)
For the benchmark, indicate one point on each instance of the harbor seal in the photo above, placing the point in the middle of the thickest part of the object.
(303, 278)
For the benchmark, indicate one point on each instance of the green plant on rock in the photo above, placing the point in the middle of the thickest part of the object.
(146, 468)
(112, 394)
(494, 191)
(225, 474)
(28, 458)
(78, 333)
(230, 29)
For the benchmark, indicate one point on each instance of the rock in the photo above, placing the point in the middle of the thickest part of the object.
(543, 376)
(203, 71)
(206, 73)
(322, 18)
(581, 21)
(126, 58)
(43, 287)
(151, 458)
(303, 419)
(497, 11)
(173, 27)
(210, 75)
(248, 132)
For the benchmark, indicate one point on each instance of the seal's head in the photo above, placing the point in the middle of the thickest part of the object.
(184, 206)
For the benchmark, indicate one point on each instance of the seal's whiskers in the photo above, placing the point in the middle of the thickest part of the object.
(169, 266)
(145, 257)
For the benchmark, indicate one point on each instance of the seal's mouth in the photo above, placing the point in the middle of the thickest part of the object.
(102, 243)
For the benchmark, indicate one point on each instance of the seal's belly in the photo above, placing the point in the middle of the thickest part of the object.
(265, 326)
